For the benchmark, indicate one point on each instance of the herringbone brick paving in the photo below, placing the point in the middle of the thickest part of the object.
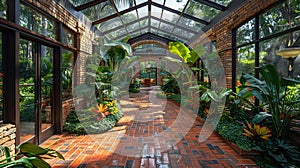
(147, 136)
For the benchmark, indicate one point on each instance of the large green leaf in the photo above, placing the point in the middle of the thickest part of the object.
(122, 45)
(29, 149)
(194, 57)
(200, 50)
(180, 49)
(39, 163)
(260, 117)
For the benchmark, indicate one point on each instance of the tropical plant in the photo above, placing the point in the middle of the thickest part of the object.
(33, 156)
(134, 86)
(277, 153)
(272, 91)
(256, 132)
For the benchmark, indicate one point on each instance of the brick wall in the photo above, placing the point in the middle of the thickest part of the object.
(222, 32)
(7, 137)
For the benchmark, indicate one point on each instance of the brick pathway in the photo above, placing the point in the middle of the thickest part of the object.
(151, 134)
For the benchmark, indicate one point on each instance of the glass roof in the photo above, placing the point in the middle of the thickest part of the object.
(171, 19)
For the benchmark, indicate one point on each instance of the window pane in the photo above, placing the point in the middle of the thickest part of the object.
(140, 1)
(245, 33)
(190, 24)
(155, 11)
(154, 23)
(176, 5)
(268, 49)
(144, 22)
(133, 27)
(122, 5)
(166, 27)
(183, 33)
(3, 9)
(245, 61)
(142, 12)
(77, 3)
(99, 11)
(110, 24)
(282, 17)
(67, 73)
(128, 17)
(46, 86)
(1, 80)
(201, 11)
(27, 55)
(222, 2)
(34, 21)
(169, 16)
(67, 37)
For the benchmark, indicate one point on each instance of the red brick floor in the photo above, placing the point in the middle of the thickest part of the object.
(152, 133)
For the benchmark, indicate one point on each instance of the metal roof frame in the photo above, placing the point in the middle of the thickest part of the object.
(200, 24)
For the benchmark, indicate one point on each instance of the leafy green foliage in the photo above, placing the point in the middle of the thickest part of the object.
(33, 156)
(232, 131)
(187, 55)
(274, 92)
(170, 85)
(87, 121)
(278, 153)
(134, 86)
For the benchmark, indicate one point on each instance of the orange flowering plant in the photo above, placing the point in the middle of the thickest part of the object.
(257, 132)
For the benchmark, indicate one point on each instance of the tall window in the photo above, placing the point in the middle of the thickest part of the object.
(1, 79)
(67, 73)
(37, 22)
(277, 28)
(3, 9)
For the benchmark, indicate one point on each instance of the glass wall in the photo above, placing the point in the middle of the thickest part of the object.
(27, 89)
(67, 73)
(37, 22)
(46, 86)
(278, 28)
(67, 37)
(3, 9)
(1, 80)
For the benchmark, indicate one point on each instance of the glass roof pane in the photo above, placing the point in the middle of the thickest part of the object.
(144, 22)
(176, 5)
(201, 11)
(142, 12)
(190, 24)
(163, 34)
(133, 35)
(134, 26)
(183, 33)
(121, 5)
(152, 30)
(117, 33)
(154, 23)
(99, 11)
(159, 1)
(169, 16)
(222, 2)
(155, 11)
(140, 1)
(166, 27)
(77, 3)
(128, 17)
(110, 24)
(143, 31)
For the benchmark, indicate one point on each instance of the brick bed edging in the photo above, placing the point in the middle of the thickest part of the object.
(7, 138)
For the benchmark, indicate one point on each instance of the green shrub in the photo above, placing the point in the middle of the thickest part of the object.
(87, 121)
(233, 132)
